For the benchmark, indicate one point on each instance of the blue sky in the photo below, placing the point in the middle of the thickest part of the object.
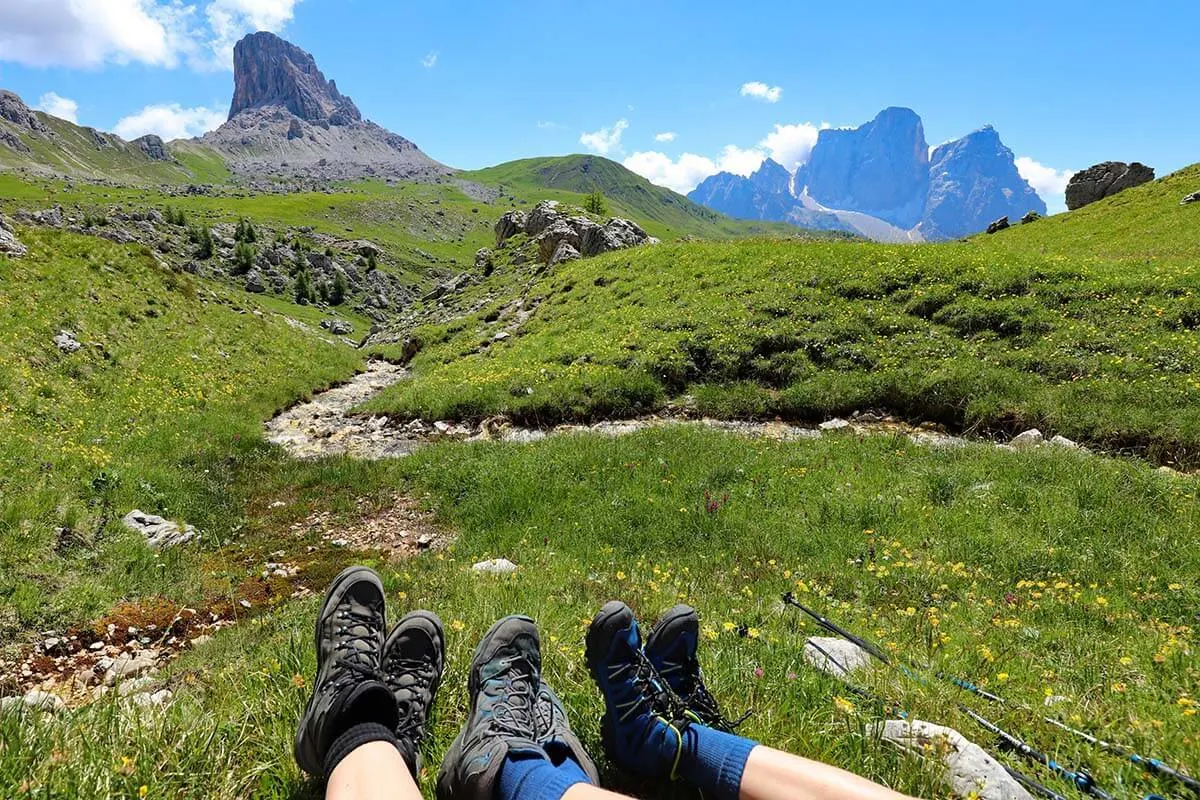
(1067, 83)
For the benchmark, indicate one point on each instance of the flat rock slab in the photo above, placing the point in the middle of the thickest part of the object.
(840, 657)
(159, 532)
(970, 771)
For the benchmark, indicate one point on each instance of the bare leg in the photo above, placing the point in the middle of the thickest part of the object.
(374, 771)
(585, 791)
(775, 775)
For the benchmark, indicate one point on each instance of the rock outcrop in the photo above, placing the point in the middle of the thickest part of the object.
(153, 147)
(878, 180)
(13, 109)
(1194, 197)
(287, 119)
(10, 245)
(1104, 180)
(559, 237)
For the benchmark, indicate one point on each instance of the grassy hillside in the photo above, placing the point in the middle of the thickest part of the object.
(1140, 227)
(631, 194)
(985, 334)
(161, 402)
(69, 149)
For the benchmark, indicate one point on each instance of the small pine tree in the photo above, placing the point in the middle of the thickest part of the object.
(372, 262)
(304, 290)
(300, 264)
(202, 237)
(339, 290)
(323, 291)
(595, 203)
(243, 258)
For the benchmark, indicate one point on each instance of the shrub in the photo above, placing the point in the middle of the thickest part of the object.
(339, 290)
(243, 258)
(595, 203)
(304, 289)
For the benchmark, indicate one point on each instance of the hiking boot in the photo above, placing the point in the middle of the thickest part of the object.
(414, 657)
(643, 722)
(503, 687)
(553, 732)
(671, 648)
(347, 689)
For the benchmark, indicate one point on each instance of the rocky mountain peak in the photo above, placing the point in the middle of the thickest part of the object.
(271, 72)
(879, 168)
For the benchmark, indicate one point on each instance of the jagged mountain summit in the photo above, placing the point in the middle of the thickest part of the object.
(881, 181)
(287, 119)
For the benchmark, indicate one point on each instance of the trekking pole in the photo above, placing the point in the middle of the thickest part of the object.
(1081, 779)
(1153, 766)
(1020, 777)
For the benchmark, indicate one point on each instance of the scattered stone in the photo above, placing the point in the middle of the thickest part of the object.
(998, 225)
(1054, 699)
(35, 700)
(129, 665)
(135, 685)
(65, 341)
(159, 532)
(146, 699)
(835, 424)
(1105, 180)
(495, 566)
(970, 771)
(1194, 197)
(1064, 442)
(1028, 439)
(483, 260)
(425, 541)
(1031, 216)
(841, 657)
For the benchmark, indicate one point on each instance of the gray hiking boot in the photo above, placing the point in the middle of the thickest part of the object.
(349, 637)
(554, 734)
(414, 657)
(503, 686)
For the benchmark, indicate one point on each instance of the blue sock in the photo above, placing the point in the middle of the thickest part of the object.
(713, 761)
(533, 777)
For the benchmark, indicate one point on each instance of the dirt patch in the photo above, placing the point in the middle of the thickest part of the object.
(398, 528)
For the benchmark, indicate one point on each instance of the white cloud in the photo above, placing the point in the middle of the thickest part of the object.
(87, 33)
(230, 20)
(170, 121)
(740, 162)
(762, 91)
(666, 136)
(681, 175)
(165, 33)
(1049, 183)
(605, 140)
(58, 106)
(430, 60)
(791, 145)
(548, 125)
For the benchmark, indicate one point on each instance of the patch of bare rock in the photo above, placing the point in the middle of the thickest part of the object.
(557, 236)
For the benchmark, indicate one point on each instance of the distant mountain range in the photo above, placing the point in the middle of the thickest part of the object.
(881, 180)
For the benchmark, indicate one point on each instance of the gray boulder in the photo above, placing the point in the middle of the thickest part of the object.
(1032, 216)
(10, 245)
(970, 771)
(34, 700)
(616, 234)
(542, 216)
(1105, 180)
(159, 532)
(560, 231)
(564, 252)
(998, 225)
(509, 225)
(1194, 197)
(65, 341)
(483, 259)
(254, 282)
(835, 655)
(495, 566)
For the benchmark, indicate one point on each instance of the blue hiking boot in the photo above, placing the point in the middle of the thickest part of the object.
(642, 728)
(671, 648)
(503, 687)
